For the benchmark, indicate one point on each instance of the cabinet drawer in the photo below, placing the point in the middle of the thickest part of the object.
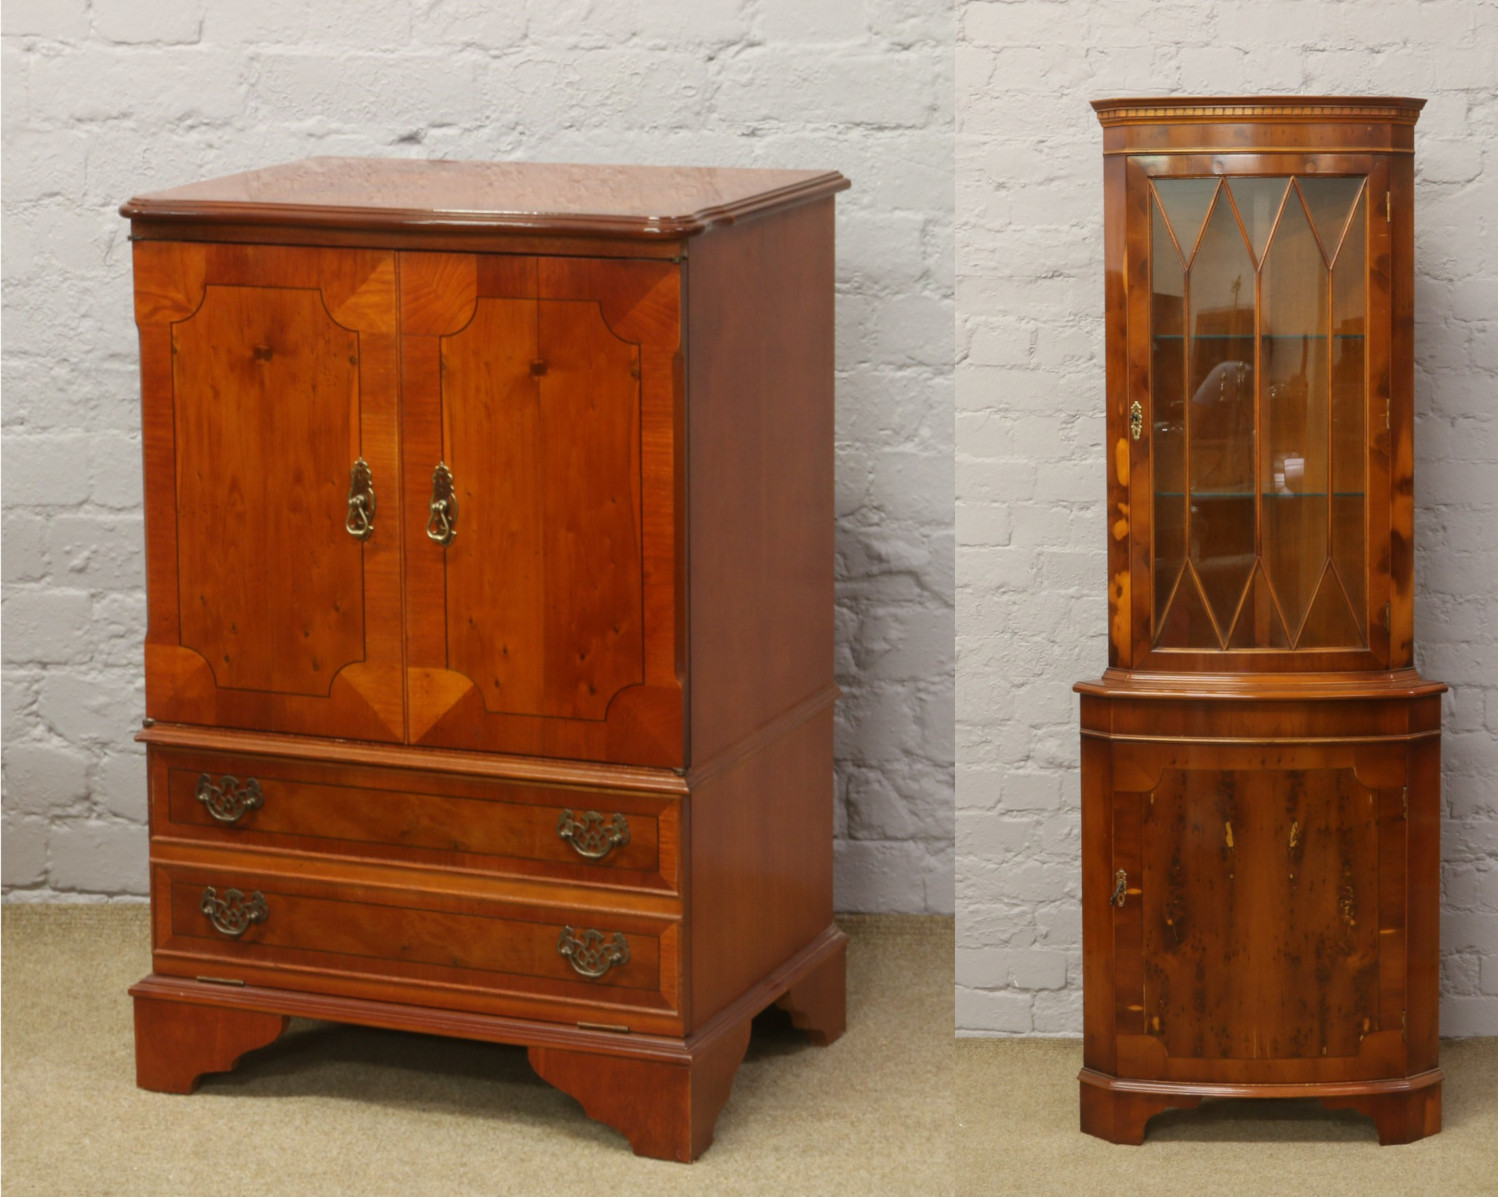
(428, 939)
(616, 838)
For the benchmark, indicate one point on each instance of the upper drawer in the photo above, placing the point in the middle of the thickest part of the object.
(612, 838)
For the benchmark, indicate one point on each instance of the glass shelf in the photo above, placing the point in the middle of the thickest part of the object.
(1263, 337)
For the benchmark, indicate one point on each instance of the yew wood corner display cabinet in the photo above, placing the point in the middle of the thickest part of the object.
(489, 669)
(1260, 760)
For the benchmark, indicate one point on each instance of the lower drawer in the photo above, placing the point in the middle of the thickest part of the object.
(450, 821)
(362, 935)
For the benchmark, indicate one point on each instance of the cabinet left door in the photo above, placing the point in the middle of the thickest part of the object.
(269, 382)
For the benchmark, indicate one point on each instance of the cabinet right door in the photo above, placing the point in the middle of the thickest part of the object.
(1263, 912)
(539, 414)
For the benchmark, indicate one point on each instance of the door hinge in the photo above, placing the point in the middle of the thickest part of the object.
(1403, 802)
(218, 980)
(1387, 413)
(1388, 207)
(604, 1026)
(1385, 617)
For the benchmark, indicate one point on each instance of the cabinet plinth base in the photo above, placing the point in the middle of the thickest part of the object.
(663, 1093)
(1118, 1108)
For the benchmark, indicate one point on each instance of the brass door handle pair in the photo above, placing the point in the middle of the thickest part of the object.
(442, 518)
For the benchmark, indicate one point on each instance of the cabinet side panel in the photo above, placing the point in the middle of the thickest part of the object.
(761, 869)
(760, 472)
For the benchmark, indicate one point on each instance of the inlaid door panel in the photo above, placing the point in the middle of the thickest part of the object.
(540, 397)
(266, 378)
(1254, 928)
(1260, 459)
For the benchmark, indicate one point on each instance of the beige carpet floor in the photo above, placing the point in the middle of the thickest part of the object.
(1017, 1112)
(341, 1110)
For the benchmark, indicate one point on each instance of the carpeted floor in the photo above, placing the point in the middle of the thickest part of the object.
(1017, 1103)
(338, 1110)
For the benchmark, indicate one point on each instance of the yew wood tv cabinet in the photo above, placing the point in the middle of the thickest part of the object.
(489, 668)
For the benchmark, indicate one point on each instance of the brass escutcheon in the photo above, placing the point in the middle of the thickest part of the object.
(442, 519)
(1118, 897)
(1137, 420)
(233, 914)
(360, 522)
(590, 953)
(591, 835)
(230, 799)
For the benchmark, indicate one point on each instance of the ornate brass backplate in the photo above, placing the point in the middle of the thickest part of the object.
(442, 519)
(591, 835)
(590, 952)
(360, 522)
(234, 913)
(230, 799)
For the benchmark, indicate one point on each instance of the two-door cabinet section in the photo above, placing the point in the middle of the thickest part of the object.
(489, 668)
(1260, 760)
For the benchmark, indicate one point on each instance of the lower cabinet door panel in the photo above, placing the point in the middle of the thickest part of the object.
(1260, 934)
(409, 945)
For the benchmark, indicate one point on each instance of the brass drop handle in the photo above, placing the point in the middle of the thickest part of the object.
(360, 522)
(233, 914)
(592, 953)
(230, 799)
(592, 836)
(1118, 897)
(442, 518)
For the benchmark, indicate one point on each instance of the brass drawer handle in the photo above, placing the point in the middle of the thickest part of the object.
(591, 836)
(231, 799)
(360, 522)
(1118, 897)
(442, 519)
(590, 953)
(233, 914)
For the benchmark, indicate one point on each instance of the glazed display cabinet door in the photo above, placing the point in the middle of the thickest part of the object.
(1263, 451)
(539, 421)
(269, 409)
(1260, 921)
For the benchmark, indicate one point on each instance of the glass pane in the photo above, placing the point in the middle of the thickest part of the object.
(1348, 458)
(1221, 413)
(1168, 462)
(1294, 417)
(1258, 199)
(1185, 202)
(1328, 202)
(1259, 624)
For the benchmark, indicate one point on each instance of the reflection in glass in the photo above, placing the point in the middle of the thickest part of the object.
(1168, 463)
(1294, 413)
(1221, 412)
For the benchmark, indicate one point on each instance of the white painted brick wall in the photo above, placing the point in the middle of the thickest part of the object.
(106, 98)
(1031, 461)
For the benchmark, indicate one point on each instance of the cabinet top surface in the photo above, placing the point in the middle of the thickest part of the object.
(647, 202)
(1173, 109)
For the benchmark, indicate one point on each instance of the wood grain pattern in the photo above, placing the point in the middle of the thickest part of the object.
(245, 501)
(1272, 808)
(443, 820)
(667, 1111)
(760, 373)
(549, 626)
(177, 1044)
(414, 197)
